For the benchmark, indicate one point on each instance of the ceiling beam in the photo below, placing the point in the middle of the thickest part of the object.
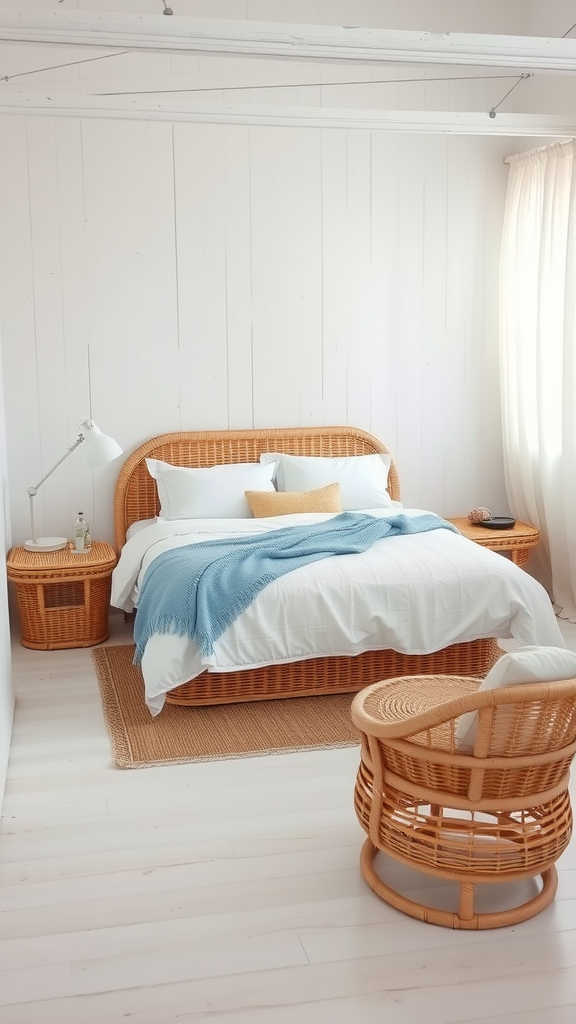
(432, 122)
(300, 42)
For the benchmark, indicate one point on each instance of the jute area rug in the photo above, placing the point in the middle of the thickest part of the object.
(181, 734)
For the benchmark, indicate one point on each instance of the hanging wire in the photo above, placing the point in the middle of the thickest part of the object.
(569, 30)
(271, 85)
(525, 74)
(68, 64)
(312, 85)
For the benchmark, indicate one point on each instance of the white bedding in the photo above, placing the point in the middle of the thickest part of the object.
(414, 594)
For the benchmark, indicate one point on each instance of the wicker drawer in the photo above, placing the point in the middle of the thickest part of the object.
(63, 599)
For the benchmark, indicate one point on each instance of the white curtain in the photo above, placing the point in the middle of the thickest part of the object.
(538, 359)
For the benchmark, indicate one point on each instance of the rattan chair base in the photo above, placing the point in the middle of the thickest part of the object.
(456, 919)
(332, 675)
(496, 813)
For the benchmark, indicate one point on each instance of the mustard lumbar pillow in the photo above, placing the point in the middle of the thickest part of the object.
(282, 503)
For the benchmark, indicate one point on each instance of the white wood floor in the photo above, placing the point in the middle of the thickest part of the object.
(227, 891)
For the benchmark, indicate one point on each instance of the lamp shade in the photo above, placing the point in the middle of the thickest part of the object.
(100, 448)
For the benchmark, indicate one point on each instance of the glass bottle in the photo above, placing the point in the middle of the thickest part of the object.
(82, 541)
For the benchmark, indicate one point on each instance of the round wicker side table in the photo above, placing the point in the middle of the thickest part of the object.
(63, 598)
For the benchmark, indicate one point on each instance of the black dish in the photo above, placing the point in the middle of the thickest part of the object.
(498, 523)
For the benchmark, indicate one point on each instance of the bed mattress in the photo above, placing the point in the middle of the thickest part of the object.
(414, 594)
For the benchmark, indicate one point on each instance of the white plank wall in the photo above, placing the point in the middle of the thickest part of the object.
(202, 274)
(7, 693)
(161, 277)
(208, 277)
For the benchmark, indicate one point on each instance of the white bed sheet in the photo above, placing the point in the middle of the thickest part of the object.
(414, 594)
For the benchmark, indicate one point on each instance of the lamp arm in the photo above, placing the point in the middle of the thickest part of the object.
(100, 449)
(32, 491)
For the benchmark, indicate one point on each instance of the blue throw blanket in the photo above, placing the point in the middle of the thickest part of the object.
(199, 589)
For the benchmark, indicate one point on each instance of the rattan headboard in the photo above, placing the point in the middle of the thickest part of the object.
(136, 496)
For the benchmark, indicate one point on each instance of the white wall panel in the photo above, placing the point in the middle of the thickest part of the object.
(74, 478)
(409, 382)
(384, 288)
(335, 264)
(463, 328)
(50, 365)
(201, 256)
(438, 360)
(90, 317)
(357, 284)
(7, 693)
(238, 271)
(129, 241)
(308, 300)
(485, 477)
(464, 332)
(275, 274)
(209, 276)
(18, 323)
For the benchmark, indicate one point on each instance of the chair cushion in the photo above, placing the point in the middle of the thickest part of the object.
(526, 665)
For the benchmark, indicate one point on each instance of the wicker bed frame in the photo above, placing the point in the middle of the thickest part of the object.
(136, 498)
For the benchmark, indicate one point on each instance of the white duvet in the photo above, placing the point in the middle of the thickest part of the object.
(415, 594)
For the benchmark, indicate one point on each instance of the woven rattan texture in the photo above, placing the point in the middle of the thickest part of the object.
(136, 496)
(136, 499)
(331, 675)
(494, 846)
(198, 734)
(501, 812)
(34, 565)
(63, 599)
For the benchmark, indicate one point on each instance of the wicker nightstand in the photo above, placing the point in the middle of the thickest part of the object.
(62, 597)
(516, 542)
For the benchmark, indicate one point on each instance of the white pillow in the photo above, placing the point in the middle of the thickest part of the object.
(215, 492)
(363, 478)
(526, 665)
(139, 525)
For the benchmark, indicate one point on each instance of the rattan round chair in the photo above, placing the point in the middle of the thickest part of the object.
(498, 813)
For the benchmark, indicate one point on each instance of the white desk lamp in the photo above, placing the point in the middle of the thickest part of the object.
(100, 448)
